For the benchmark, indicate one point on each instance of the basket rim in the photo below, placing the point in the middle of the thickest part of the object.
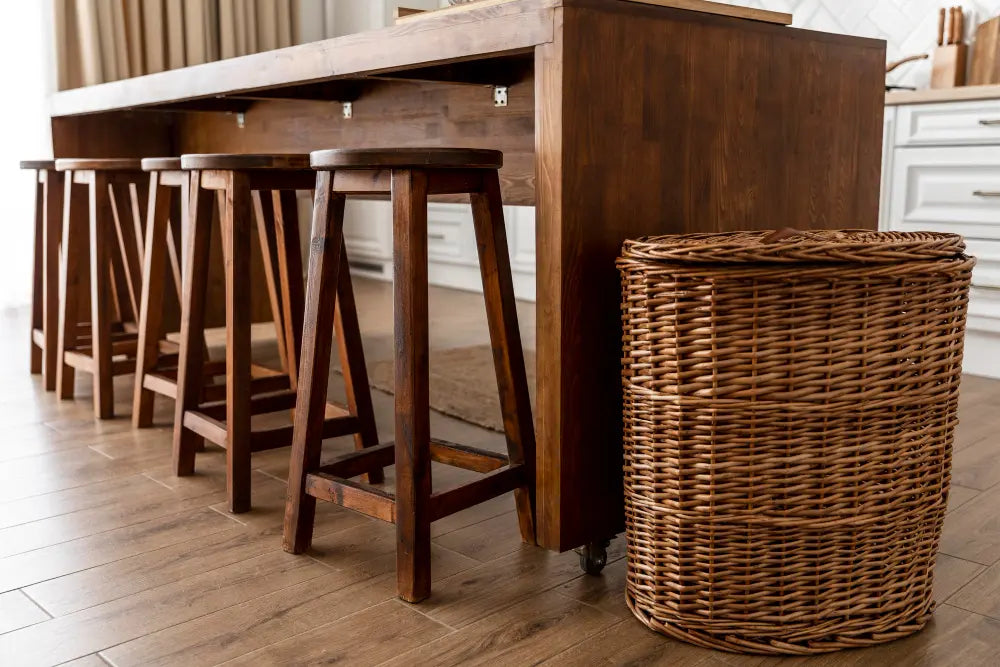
(790, 245)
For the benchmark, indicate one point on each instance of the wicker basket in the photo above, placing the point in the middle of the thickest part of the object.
(789, 406)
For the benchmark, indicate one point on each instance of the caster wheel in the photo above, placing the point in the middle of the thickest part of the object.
(593, 557)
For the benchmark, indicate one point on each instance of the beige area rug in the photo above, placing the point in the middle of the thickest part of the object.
(463, 383)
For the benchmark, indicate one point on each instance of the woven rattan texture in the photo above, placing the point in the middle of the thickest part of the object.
(788, 434)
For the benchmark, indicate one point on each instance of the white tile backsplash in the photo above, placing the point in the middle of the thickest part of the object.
(908, 26)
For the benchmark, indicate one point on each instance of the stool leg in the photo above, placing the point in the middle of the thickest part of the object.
(129, 245)
(267, 236)
(508, 357)
(194, 268)
(175, 238)
(151, 300)
(289, 263)
(317, 339)
(100, 260)
(236, 235)
(50, 276)
(37, 280)
(72, 278)
(413, 464)
(352, 364)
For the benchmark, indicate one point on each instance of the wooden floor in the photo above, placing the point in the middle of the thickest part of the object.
(108, 559)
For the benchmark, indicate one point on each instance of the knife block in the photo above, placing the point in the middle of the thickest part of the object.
(949, 66)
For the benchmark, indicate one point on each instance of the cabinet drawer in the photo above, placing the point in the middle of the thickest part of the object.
(986, 275)
(947, 189)
(451, 236)
(955, 123)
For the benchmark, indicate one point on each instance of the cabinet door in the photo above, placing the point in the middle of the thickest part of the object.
(947, 189)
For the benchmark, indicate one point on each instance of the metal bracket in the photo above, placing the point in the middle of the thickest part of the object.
(348, 110)
(241, 119)
(499, 96)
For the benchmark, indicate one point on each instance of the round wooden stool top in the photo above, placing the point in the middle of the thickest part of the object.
(248, 161)
(38, 164)
(161, 164)
(99, 164)
(387, 158)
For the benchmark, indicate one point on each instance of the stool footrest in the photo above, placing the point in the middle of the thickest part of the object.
(490, 485)
(358, 496)
(331, 482)
(360, 462)
(465, 457)
(338, 422)
(164, 382)
(82, 361)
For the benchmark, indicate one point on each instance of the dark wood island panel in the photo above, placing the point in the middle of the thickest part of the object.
(623, 119)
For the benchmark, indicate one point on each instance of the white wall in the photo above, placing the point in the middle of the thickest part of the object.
(26, 70)
(908, 26)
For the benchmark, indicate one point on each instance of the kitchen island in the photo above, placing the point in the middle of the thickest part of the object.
(617, 118)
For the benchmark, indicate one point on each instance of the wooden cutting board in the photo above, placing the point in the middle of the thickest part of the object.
(985, 68)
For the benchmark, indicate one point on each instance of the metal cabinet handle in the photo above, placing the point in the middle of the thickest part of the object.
(986, 193)
(990, 122)
(436, 236)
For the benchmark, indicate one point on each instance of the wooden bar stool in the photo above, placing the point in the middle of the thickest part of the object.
(156, 364)
(409, 176)
(248, 393)
(106, 197)
(45, 278)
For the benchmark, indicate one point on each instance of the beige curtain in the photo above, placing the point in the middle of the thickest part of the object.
(106, 40)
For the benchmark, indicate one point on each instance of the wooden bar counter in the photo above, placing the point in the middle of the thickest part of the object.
(623, 118)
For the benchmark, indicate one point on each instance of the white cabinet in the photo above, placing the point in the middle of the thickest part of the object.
(942, 167)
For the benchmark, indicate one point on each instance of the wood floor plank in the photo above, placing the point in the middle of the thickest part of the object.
(235, 631)
(145, 500)
(972, 532)
(55, 471)
(951, 574)
(86, 661)
(486, 540)
(629, 642)
(369, 637)
(96, 628)
(980, 594)
(529, 632)
(978, 465)
(68, 557)
(476, 593)
(959, 495)
(606, 592)
(32, 440)
(17, 611)
(468, 517)
(128, 576)
(66, 501)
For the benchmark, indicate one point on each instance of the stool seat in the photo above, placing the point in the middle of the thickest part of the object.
(377, 158)
(161, 164)
(248, 161)
(99, 164)
(38, 164)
